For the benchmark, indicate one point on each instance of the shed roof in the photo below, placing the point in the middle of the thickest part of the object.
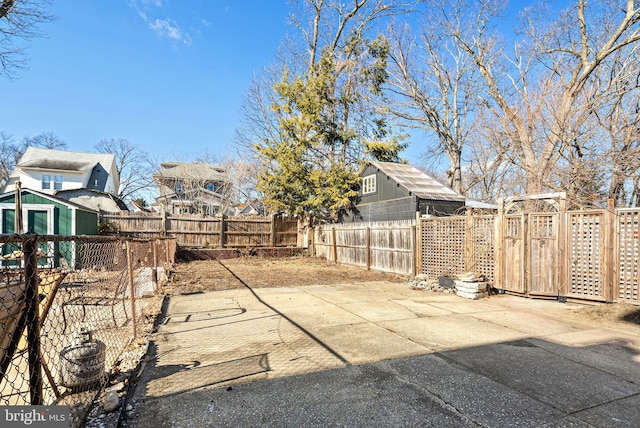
(51, 198)
(417, 182)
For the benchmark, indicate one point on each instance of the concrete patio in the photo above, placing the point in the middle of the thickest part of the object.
(381, 354)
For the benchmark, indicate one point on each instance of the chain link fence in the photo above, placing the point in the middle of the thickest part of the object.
(69, 307)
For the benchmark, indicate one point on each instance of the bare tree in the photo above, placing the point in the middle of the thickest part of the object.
(11, 151)
(45, 140)
(619, 119)
(19, 20)
(435, 83)
(134, 168)
(193, 188)
(540, 92)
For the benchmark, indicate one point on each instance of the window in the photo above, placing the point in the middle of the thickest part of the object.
(46, 182)
(211, 187)
(57, 182)
(369, 184)
(179, 188)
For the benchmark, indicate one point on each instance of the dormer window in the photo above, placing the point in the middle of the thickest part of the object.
(368, 184)
(46, 182)
(57, 182)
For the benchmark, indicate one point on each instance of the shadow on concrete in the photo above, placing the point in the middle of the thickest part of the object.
(525, 383)
(298, 326)
(172, 379)
(204, 315)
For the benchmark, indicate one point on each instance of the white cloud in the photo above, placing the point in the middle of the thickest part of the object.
(169, 28)
(163, 27)
(156, 3)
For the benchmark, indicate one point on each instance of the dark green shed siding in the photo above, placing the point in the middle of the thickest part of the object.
(86, 223)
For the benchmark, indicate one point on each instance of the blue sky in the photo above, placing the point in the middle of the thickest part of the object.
(167, 75)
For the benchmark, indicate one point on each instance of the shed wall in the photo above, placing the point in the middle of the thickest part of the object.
(396, 209)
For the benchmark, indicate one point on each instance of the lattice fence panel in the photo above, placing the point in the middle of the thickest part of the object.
(484, 246)
(629, 251)
(586, 254)
(443, 246)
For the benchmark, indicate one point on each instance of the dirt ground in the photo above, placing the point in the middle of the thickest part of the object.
(257, 272)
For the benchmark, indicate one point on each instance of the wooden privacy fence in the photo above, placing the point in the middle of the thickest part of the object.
(384, 246)
(579, 255)
(199, 231)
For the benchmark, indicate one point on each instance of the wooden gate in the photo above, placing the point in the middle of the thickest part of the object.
(530, 246)
(543, 257)
(514, 254)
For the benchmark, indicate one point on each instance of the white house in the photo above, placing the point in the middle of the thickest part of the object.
(64, 174)
(49, 171)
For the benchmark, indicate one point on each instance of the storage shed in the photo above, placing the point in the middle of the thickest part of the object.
(47, 215)
(394, 191)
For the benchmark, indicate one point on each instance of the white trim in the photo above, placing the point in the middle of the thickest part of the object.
(73, 222)
(50, 209)
(25, 213)
(369, 184)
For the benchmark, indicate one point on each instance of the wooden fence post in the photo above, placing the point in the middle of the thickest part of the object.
(610, 261)
(469, 242)
(132, 292)
(414, 244)
(29, 250)
(163, 224)
(222, 227)
(154, 271)
(312, 244)
(563, 255)
(368, 248)
(498, 255)
(335, 245)
(417, 250)
(272, 240)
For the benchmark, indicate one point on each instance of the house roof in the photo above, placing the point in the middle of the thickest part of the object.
(417, 182)
(91, 192)
(63, 160)
(192, 171)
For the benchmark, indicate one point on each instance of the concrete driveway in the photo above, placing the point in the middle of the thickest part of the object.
(380, 354)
